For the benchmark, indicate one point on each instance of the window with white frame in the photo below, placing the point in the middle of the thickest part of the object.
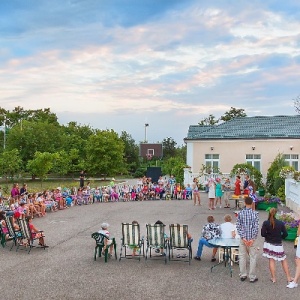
(254, 160)
(292, 160)
(212, 162)
(150, 152)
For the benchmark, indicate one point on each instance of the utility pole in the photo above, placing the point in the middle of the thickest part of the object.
(146, 125)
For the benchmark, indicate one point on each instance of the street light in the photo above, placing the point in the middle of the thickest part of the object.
(146, 125)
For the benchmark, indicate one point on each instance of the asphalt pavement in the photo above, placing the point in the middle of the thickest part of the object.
(67, 270)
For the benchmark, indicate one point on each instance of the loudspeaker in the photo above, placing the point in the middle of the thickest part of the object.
(154, 173)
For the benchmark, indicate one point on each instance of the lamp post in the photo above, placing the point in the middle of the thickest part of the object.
(146, 125)
(4, 134)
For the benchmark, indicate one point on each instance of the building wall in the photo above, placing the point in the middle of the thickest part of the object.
(232, 152)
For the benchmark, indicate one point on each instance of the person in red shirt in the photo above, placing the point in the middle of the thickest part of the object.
(237, 184)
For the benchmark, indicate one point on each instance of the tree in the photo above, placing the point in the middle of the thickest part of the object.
(233, 113)
(41, 164)
(174, 166)
(210, 120)
(35, 136)
(61, 163)
(10, 163)
(76, 136)
(297, 104)
(104, 153)
(131, 151)
(274, 181)
(76, 162)
(169, 147)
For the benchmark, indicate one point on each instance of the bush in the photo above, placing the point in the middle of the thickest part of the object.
(140, 172)
(281, 193)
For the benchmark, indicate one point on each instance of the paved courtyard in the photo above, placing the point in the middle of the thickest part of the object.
(66, 270)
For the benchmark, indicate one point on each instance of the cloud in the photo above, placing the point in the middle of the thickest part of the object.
(183, 59)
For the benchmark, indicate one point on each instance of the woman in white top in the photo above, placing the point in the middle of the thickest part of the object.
(211, 193)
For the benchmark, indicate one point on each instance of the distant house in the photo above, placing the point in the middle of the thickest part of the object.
(255, 140)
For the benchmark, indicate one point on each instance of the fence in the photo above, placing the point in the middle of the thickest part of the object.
(292, 195)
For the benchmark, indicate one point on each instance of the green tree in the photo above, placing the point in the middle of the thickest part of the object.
(174, 166)
(233, 113)
(76, 162)
(274, 181)
(210, 120)
(35, 136)
(104, 153)
(131, 152)
(61, 163)
(76, 137)
(169, 147)
(10, 163)
(41, 164)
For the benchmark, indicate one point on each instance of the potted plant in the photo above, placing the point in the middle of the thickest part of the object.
(266, 202)
(291, 224)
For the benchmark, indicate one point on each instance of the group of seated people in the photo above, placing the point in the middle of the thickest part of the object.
(213, 230)
(14, 224)
(145, 189)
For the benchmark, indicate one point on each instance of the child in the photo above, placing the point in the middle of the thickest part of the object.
(36, 234)
(107, 242)
(178, 191)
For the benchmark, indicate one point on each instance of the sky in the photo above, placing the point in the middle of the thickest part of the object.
(121, 64)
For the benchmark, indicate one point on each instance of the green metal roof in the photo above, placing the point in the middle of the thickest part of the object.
(262, 127)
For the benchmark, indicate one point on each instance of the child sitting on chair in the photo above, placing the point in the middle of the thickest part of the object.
(35, 233)
(107, 242)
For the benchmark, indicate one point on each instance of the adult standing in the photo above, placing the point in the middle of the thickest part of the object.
(245, 185)
(81, 179)
(227, 188)
(274, 231)
(237, 186)
(247, 226)
(294, 283)
(211, 193)
(219, 192)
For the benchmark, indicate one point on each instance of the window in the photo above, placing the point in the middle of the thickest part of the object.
(292, 160)
(150, 152)
(212, 163)
(254, 160)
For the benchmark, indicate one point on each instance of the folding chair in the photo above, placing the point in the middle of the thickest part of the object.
(131, 239)
(2, 237)
(27, 236)
(156, 239)
(14, 234)
(179, 241)
(101, 245)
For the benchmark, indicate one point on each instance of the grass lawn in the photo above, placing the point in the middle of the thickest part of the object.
(49, 184)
